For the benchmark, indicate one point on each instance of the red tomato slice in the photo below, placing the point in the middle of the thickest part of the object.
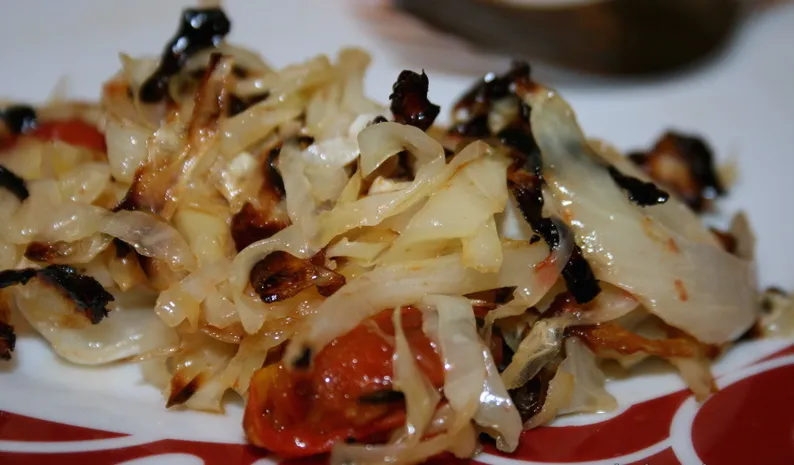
(73, 131)
(302, 413)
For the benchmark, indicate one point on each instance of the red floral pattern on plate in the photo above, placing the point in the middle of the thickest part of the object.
(751, 420)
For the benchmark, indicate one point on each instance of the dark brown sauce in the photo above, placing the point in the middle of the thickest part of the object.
(199, 29)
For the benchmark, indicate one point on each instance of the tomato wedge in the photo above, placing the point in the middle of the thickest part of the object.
(346, 395)
(73, 131)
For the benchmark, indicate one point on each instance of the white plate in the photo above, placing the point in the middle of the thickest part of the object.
(743, 103)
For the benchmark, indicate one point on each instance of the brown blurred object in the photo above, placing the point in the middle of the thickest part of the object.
(622, 37)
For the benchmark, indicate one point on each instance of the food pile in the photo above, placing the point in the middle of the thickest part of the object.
(376, 286)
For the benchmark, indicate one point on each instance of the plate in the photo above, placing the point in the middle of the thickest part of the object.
(742, 102)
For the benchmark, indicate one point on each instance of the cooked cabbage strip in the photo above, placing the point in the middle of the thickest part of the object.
(620, 239)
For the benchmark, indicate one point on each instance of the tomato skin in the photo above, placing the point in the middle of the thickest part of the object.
(302, 413)
(73, 131)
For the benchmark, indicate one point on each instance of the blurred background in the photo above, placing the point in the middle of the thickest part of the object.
(611, 59)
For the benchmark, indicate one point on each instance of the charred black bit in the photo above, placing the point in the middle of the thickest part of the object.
(507, 356)
(700, 158)
(304, 141)
(683, 164)
(11, 277)
(87, 294)
(350, 440)
(579, 277)
(240, 72)
(378, 119)
(530, 397)
(534, 239)
(491, 88)
(303, 362)
(84, 291)
(182, 391)
(238, 104)
(475, 105)
(43, 251)
(250, 225)
(518, 136)
(199, 29)
(475, 127)
(409, 103)
(122, 248)
(644, 194)
(504, 294)
(19, 119)
(8, 340)
(13, 183)
(387, 396)
(272, 174)
(526, 183)
(280, 276)
(530, 203)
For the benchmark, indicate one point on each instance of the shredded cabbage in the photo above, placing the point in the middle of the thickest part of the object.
(248, 178)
